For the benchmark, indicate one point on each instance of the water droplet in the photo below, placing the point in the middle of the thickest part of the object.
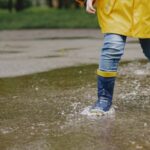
(139, 147)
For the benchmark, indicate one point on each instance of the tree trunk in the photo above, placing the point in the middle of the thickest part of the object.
(50, 3)
(10, 5)
(19, 5)
(63, 4)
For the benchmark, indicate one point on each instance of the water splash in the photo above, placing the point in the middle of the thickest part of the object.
(97, 114)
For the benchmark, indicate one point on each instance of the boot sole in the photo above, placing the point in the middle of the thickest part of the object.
(88, 111)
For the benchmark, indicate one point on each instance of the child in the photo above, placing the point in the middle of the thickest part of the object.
(118, 19)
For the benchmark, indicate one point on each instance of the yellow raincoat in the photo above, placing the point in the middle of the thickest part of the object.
(125, 17)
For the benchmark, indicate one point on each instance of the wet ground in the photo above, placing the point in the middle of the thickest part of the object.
(42, 111)
(30, 51)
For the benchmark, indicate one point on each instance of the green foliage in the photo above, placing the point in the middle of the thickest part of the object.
(22, 4)
(17, 4)
(47, 18)
(3, 3)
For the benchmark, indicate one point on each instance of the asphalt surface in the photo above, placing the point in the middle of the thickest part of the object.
(25, 52)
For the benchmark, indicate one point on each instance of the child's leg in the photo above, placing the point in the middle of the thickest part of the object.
(111, 53)
(145, 44)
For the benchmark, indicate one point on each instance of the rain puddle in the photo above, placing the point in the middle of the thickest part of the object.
(67, 38)
(43, 111)
(48, 56)
(9, 52)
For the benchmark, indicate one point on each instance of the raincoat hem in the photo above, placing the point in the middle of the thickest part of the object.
(126, 34)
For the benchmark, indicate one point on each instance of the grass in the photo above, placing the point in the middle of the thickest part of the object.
(37, 18)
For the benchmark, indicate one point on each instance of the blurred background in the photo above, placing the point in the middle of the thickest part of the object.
(49, 53)
(21, 14)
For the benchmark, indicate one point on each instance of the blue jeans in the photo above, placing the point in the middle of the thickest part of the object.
(113, 49)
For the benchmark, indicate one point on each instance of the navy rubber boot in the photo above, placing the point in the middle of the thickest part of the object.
(105, 93)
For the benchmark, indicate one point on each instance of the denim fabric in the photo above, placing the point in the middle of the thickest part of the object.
(113, 49)
(145, 44)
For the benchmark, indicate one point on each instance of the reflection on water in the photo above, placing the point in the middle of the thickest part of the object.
(42, 111)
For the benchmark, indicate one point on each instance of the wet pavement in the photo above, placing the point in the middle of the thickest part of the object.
(30, 51)
(42, 111)
(40, 108)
